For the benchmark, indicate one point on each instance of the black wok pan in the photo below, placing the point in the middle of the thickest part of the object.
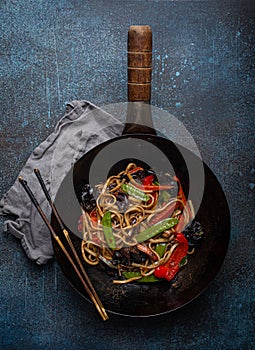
(140, 143)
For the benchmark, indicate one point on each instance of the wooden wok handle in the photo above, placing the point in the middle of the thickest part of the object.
(139, 63)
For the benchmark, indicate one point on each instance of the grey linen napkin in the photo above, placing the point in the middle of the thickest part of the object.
(83, 126)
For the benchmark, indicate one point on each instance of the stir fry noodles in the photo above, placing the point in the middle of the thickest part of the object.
(137, 228)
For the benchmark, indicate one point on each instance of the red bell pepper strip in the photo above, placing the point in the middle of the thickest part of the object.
(166, 213)
(172, 266)
(182, 197)
(148, 180)
(181, 194)
(80, 224)
(182, 239)
(94, 222)
(152, 187)
(132, 171)
(93, 217)
(146, 250)
(180, 226)
(147, 184)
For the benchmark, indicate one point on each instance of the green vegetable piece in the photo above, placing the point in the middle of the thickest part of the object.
(154, 230)
(149, 279)
(160, 249)
(144, 279)
(183, 261)
(165, 196)
(107, 228)
(130, 274)
(135, 192)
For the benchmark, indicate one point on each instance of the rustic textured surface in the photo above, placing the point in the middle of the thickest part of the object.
(203, 52)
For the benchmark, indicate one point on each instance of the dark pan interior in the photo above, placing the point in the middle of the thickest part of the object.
(150, 299)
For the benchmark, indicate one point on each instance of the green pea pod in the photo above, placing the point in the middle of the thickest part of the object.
(154, 230)
(144, 279)
(183, 261)
(165, 196)
(107, 228)
(135, 192)
(160, 249)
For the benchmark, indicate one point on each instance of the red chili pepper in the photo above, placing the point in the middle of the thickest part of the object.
(172, 266)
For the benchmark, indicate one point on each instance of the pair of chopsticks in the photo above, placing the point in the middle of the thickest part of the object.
(81, 273)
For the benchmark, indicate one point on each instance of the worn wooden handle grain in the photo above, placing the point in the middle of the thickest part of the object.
(139, 63)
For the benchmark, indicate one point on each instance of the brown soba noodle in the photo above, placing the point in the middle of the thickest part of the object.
(135, 204)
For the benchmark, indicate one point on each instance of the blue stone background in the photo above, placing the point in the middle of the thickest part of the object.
(53, 52)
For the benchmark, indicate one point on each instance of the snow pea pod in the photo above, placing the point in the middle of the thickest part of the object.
(135, 192)
(107, 228)
(154, 230)
(160, 249)
(144, 279)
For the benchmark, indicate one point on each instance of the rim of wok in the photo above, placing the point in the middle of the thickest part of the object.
(151, 299)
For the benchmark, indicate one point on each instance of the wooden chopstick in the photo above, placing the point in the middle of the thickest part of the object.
(86, 284)
(67, 236)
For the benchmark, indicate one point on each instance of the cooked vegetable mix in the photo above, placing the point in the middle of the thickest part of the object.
(140, 228)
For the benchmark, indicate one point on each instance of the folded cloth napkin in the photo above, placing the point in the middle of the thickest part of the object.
(83, 127)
